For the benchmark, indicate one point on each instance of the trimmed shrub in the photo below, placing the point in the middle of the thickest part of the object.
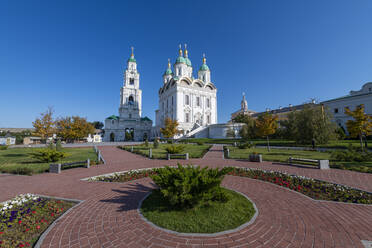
(156, 143)
(59, 145)
(200, 143)
(351, 155)
(188, 186)
(3, 147)
(174, 149)
(51, 146)
(48, 155)
(245, 145)
(146, 143)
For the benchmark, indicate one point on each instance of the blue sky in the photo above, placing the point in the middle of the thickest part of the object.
(71, 54)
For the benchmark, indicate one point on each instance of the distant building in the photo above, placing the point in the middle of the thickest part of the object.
(352, 100)
(7, 140)
(31, 140)
(243, 109)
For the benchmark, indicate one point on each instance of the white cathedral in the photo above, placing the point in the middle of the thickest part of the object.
(189, 100)
(129, 125)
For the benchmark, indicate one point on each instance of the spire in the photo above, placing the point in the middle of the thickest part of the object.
(180, 50)
(169, 70)
(244, 104)
(204, 66)
(186, 52)
(132, 59)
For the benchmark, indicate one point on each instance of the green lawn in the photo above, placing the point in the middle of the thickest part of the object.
(217, 217)
(275, 142)
(19, 160)
(282, 155)
(195, 151)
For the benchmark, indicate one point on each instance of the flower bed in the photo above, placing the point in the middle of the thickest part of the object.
(316, 189)
(24, 218)
(313, 188)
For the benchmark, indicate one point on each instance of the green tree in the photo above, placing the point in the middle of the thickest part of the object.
(266, 124)
(74, 128)
(361, 125)
(170, 128)
(313, 122)
(45, 125)
(248, 130)
(97, 124)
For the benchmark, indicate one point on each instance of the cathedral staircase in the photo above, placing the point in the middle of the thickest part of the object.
(196, 130)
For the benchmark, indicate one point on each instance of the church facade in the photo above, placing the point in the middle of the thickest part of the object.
(192, 101)
(129, 125)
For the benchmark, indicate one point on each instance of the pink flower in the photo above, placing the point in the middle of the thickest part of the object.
(37, 227)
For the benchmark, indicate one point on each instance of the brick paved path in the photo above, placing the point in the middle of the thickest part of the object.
(108, 217)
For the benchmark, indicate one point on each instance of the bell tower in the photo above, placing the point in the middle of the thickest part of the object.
(130, 93)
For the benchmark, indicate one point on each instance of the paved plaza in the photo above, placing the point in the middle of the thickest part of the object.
(108, 215)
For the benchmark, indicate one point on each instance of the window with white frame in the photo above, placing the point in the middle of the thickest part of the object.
(208, 119)
(208, 103)
(198, 101)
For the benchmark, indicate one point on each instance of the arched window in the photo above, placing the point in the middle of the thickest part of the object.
(204, 78)
(131, 81)
(187, 100)
(112, 137)
(130, 100)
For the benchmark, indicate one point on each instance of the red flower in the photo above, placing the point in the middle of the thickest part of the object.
(37, 227)
(52, 214)
(19, 222)
(33, 212)
(21, 245)
(27, 229)
(1, 232)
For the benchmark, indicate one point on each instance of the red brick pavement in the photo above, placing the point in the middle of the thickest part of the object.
(108, 217)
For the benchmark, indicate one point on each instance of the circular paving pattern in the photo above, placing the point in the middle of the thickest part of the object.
(108, 217)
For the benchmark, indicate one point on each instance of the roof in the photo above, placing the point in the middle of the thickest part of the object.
(188, 61)
(168, 72)
(346, 97)
(204, 67)
(132, 59)
(145, 118)
(113, 117)
(181, 59)
(284, 110)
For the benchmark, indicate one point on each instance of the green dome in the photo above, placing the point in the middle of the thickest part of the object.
(113, 117)
(188, 62)
(176, 78)
(168, 72)
(132, 59)
(204, 67)
(181, 59)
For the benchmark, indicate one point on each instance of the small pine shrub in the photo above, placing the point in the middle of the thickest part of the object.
(146, 143)
(48, 155)
(51, 146)
(156, 143)
(188, 186)
(58, 145)
(174, 149)
(3, 147)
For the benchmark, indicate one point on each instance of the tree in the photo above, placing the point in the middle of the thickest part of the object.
(74, 128)
(313, 122)
(170, 128)
(45, 125)
(128, 135)
(266, 124)
(97, 124)
(248, 130)
(361, 125)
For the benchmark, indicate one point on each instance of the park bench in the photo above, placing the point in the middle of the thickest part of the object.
(56, 168)
(186, 155)
(321, 164)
